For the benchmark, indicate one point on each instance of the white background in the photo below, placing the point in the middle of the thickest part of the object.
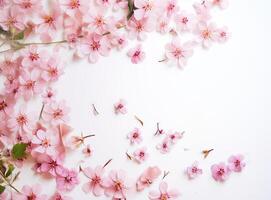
(221, 99)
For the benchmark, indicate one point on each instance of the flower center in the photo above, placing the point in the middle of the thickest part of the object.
(95, 45)
(48, 19)
(27, 5)
(206, 34)
(96, 180)
(3, 105)
(21, 120)
(164, 197)
(184, 20)
(118, 186)
(32, 197)
(74, 4)
(221, 172)
(29, 84)
(34, 56)
(57, 113)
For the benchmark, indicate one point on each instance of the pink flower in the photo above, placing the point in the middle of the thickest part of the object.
(193, 171)
(12, 18)
(33, 57)
(50, 164)
(164, 193)
(30, 84)
(236, 163)
(144, 8)
(222, 35)
(119, 4)
(162, 25)
(171, 7)
(179, 53)
(28, 6)
(52, 70)
(117, 185)
(58, 196)
(119, 41)
(164, 147)
(45, 142)
(87, 151)
(93, 46)
(147, 178)
(9, 65)
(185, 21)
(140, 155)
(120, 107)
(49, 95)
(222, 4)
(48, 23)
(207, 34)
(4, 3)
(136, 54)
(138, 28)
(67, 180)
(56, 113)
(97, 22)
(220, 172)
(174, 137)
(28, 192)
(96, 178)
(74, 8)
(104, 3)
(203, 10)
(21, 122)
(135, 136)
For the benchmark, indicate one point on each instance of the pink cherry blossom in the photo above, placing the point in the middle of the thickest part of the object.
(88, 151)
(174, 137)
(119, 41)
(171, 7)
(120, 107)
(49, 95)
(165, 146)
(136, 54)
(222, 4)
(97, 23)
(162, 25)
(96, 179)
(140, 155)
(135, 136)
(222, 35)
(104, 3)
(52, 70)
(117, 185)
(52, 165)
(164, 193)
(58, 196)
(147, 178)
(193, 171)
(236, 163)
(67, 180)
(74, 8)
(56, 113)
(203, 10)
(28, 6)
(179, 53)
(21, 122)
(185, 21)
(137, 29)
(12, 18)
(33, 57)
(119, 4)
(30, 84)
(206, 33)
(220, 172)
(49, 22)
(144, 8)
(4, 3)
(9, 65)
(93, 46)
(45, 142)
(30, 193)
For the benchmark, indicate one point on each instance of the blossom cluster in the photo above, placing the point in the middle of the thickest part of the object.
(90, 29)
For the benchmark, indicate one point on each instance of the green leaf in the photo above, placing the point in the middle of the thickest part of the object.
(18, 150)
(10, 170)
(2, 189)
(19, 36)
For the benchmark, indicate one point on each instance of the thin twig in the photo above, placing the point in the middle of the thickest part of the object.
(109, 161)
(95, 111)
(139, 120)
(166, 173)
(207, 152)
(41, 111)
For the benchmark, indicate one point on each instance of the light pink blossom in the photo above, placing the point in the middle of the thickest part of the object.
(28, 6)
(174, 137)
(222, 35)
(52, 70)
(136, 54)
(220, 172)
(58, 196)
(74, 8)
(207, 34)
(165, 146)
(120, 107)
(185, 21)
(141, 155)
(30, 193)
(164, 193)
(96, 178)
(193, 171)
(51, 164)
(30, 84)
(119, 4)
(145, 8)
(56, 113)
(222, 4)
(49, 95)
(117, 185)
(33, 57)
(171, 7)
(162, 25)
(236, 163)
(12, 18)
(87, 151)
(135, 136)
(203, 10)
(137, 29)
(67, 180)
(147, 178)
(179, 53)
